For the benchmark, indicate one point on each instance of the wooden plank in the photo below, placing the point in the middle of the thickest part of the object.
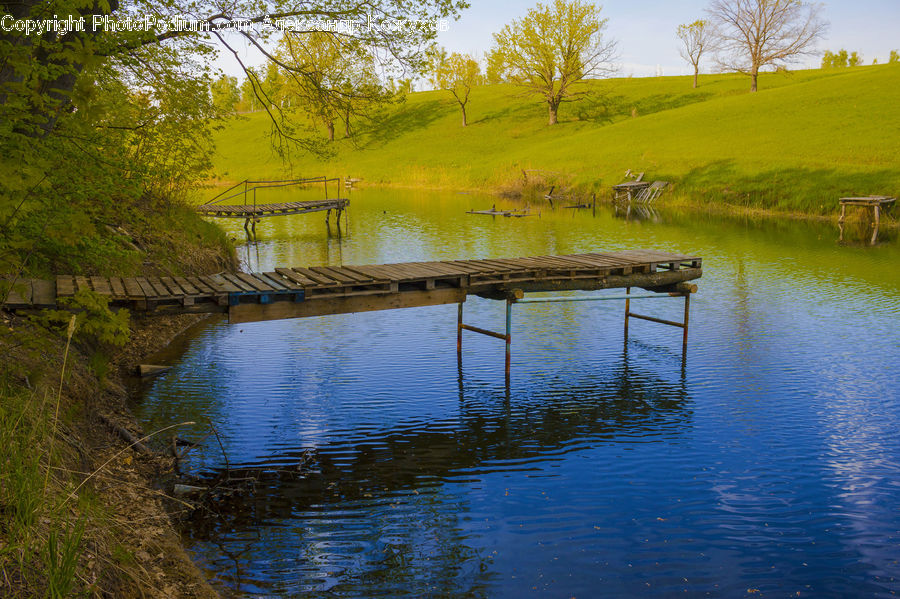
(43, 293)
(386, 271)
(173, 287)
(101, 285)
(351, 274)
(255, 282)
(189, 288)
(342, 305)
(364, 271)
(161, 290)
(147, 289)
(446, 268)
(65, 285)
(118, 288)
(333, 274)
(133, 289)
(437, 270)
(202, 287)
(18, 293)
(275, 279)
(485, 268)
(237, 282)
(82, 283)
(220, 284)
(296, 277)
(413, 270)
(320, 280)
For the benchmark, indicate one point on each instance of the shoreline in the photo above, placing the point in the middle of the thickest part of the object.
(890, 218)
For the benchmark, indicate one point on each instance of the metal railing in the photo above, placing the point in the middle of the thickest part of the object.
(247, 188)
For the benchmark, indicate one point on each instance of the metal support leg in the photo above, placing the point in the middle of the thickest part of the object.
(509, 304)
(627, 310)
(459, 330)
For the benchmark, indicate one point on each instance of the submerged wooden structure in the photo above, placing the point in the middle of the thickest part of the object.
(301, 292)
(252, 211)
(876, 203)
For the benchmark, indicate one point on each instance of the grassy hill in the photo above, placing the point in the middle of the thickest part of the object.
(805, 139)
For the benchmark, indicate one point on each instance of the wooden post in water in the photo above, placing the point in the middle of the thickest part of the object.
(687, 310)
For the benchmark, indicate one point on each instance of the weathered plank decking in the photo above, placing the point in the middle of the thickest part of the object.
(300, 291)
(246, 211)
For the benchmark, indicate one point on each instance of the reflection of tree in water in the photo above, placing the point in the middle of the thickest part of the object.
(374, 517)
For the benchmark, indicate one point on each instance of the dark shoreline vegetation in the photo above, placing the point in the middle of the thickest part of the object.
(105, 195)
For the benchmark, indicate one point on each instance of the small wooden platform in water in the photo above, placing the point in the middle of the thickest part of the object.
(246, 211)
(877, 203)
(313, 291)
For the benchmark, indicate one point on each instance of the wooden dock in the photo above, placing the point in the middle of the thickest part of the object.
(876, 203)
(267, 210)
(313, 291)
(223, 206)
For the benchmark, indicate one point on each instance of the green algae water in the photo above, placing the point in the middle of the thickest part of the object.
(766, 460)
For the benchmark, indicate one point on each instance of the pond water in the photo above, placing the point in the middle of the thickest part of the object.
(765, 460)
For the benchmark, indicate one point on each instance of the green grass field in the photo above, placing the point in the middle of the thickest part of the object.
(804, 140)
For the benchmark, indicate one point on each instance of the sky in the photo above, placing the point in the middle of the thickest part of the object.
(645, 30)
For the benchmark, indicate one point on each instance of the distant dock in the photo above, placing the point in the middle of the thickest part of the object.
(251, 210)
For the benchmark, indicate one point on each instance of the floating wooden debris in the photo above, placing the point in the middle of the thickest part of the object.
(145, 370)
(511, 212)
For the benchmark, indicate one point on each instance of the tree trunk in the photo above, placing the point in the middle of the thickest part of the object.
(330, 126)
(754, 74)
(347, 131)
(554, 109)
(55, 76)
(696, 73)
(463, 108)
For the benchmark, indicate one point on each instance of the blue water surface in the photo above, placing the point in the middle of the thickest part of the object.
(764, 462)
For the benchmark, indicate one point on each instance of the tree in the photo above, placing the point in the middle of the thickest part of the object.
(225, 93)
(554, 47)
(456, 73)
(493, 70)
(332, 81)
(53, 62)
(759, 33)
(697, 38)
(855, 59)
(894, 58)
(249, 101)
(835, 60)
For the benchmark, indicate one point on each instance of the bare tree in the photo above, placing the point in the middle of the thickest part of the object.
(759, 33)
(698, 38)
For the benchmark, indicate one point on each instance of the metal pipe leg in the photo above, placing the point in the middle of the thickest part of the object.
(459, 330)
(508, 335)
(627, 310)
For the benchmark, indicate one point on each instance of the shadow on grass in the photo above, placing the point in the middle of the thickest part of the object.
(405, 120)
(604, 108)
